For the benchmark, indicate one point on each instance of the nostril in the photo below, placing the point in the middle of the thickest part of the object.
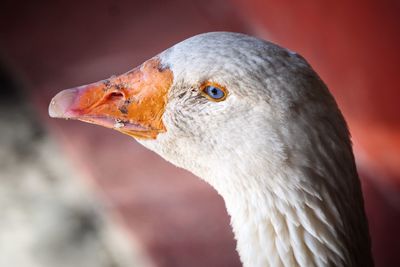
(115, 96)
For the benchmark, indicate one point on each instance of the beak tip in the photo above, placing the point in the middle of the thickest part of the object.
(60, 104)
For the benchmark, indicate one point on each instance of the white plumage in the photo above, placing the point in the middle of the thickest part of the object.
(277, 149)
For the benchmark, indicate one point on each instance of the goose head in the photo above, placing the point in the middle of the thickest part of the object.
(168, 104)
(257, 123)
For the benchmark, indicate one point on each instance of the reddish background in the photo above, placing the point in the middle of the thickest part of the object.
(179, 220)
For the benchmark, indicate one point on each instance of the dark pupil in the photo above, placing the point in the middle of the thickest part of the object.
(214, 91)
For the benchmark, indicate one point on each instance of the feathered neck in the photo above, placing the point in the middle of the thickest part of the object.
(295, 226)
(306, 211)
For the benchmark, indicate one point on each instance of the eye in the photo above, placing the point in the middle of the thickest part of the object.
(214, 92)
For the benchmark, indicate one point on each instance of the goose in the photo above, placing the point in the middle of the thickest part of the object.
(256, 122)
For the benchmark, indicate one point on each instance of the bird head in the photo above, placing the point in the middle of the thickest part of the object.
(207, 104)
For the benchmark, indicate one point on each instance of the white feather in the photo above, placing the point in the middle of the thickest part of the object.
(277, 150)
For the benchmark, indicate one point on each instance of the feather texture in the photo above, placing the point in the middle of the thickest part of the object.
(277, 149)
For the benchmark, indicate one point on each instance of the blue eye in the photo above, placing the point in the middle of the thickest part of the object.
(214, 92)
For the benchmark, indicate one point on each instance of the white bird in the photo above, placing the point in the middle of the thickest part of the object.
(258, 124)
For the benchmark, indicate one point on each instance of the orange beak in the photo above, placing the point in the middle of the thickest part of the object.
(132, 103)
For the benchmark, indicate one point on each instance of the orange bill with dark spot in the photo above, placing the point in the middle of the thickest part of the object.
(132, 103)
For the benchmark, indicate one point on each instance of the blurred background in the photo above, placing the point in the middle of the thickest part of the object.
(73, 194)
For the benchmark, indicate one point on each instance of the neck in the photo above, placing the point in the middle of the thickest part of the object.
(284, 225)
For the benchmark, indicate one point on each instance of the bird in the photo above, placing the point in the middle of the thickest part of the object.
(256, 122)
